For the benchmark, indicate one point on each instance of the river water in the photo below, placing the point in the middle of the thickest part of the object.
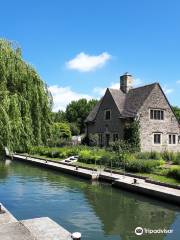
(97, 210)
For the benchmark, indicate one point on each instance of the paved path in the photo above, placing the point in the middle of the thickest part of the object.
(127, 182)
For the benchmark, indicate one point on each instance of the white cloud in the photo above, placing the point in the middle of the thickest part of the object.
(115, 85)
(62, 96)
(178, 81)
(99, 90)
(167, 90)
(86, 63)
(137, 82)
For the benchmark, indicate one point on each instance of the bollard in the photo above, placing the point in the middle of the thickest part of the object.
(76, 236)
(1, 210)
(135, 180)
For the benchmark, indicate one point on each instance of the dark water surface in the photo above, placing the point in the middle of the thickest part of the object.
(96, 210)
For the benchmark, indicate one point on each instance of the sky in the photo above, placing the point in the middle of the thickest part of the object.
(81, 47)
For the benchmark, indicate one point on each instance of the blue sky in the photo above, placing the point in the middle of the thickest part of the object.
(80, 47)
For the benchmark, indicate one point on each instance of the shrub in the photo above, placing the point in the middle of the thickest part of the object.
(176, 160)
(169, 156)
(73, 151)
(174, 172)
(132, 135)
(145, 166)
(85, 156)
(155, 155)
(98, 156)
(90, 140)
(74, 129)
(120, 146)
(148, 155)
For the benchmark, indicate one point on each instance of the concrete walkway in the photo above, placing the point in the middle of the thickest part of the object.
(81, 172)
(153, 190)
(6, 216)
(33, 229)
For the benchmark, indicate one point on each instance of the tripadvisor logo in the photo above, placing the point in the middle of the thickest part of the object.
(140, 231)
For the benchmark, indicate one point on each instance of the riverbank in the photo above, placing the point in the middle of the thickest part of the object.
(118, 180)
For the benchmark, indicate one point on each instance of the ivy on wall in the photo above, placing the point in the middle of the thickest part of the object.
(132, 135)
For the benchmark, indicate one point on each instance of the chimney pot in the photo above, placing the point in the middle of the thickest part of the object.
(126, 82)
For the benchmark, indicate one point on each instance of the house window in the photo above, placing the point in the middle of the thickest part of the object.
(100, 139)
(157, 138)
(157, 114)
(115, 137)
(172, 138)
(107, 114)
(107, 138)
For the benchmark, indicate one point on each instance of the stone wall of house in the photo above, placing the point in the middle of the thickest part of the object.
(148, 126)
(114, 125)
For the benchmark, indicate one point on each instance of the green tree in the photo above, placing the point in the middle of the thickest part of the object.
(75, 131)
(59, 132)
(25, 102)
(177, 112)
(77, 112)
(59, 116)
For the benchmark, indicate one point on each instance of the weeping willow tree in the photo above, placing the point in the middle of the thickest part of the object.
(25, 102)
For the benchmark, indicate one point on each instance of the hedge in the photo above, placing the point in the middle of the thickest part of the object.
(174, 172)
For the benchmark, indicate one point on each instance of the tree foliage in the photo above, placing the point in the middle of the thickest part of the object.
(59, 116)
(177, 112)
(25, 102)
(59, 133)
(75, 131)
(77, 112)
(132, 135)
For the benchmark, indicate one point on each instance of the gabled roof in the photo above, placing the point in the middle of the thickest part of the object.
(92, 115)
(128, 104)
(135, 99)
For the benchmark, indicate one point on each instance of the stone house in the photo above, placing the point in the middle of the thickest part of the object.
(158, 126)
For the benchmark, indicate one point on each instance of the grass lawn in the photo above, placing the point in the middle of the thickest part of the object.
(44, 157)
(160, 178)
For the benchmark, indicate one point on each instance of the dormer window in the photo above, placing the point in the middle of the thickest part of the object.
(156, 114)
(107, 114)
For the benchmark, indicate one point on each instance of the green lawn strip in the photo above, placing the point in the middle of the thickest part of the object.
(163, 179)
(80, 164)
(43, 157)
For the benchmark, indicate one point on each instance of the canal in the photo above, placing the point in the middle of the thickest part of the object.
(97, 210)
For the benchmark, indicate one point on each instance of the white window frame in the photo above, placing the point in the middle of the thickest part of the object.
(158, 109)
(107, 110)
(157, 144)
(176, 139)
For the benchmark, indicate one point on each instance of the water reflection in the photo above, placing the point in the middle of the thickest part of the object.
(4, 168)
(122, 212)
(97, 210)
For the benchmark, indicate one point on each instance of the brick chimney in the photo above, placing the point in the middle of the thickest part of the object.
(126, 82)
